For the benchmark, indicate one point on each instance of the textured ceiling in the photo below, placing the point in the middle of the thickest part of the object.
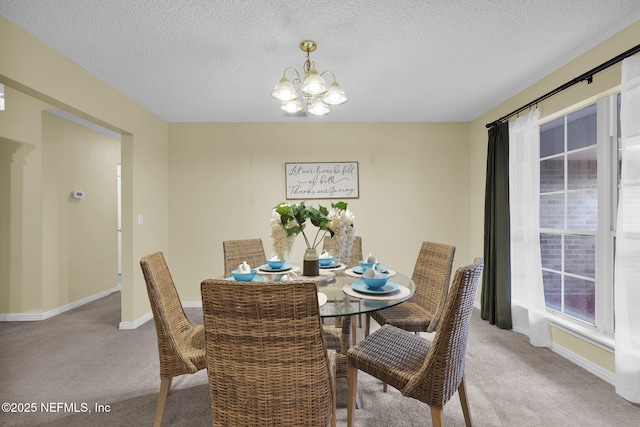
(398, 61)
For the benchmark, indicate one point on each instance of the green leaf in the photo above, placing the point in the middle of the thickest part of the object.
(294, 230)
(283, 208)
(318, 218)
(339, 205)
(300, 212)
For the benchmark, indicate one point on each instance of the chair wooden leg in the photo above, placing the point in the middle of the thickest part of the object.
(352, 390)
(333, 416)
(436, 417)
(333, 387)
(384, 387)
(165, 385)
(353, 330)
(367, 323)
(462, 393)
(360, 320)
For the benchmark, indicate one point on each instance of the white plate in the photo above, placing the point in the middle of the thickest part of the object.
(358, 270)
(269, 271)
(350, 272)
(332, 265)
(403, 292)
(360, 286)
(322, 299)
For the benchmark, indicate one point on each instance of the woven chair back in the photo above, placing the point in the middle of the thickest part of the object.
(237, 251)
(266, 358)
(432, 275)
(168, 316)
(443, 369)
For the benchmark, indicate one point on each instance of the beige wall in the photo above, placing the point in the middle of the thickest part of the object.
(31, 68)
(79, 235)
(55, 250)
(21, 205)
(226, 178)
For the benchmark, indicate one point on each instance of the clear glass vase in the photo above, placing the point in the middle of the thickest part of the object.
(311, 265)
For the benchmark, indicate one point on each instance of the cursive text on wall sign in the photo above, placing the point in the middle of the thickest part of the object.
(337, 180)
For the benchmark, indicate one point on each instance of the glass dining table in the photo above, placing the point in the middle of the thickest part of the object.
(345, 294)
(342, 293)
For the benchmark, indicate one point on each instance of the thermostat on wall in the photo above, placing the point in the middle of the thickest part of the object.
(77, 194)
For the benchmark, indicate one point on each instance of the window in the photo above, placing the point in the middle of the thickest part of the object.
(578, 170)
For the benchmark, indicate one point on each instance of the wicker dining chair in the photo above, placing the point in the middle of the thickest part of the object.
(266, 357)
(237, 251)
(432, 274)
(181, 345)
(429, 371)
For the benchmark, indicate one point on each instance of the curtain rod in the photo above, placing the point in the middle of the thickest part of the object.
(588, 76)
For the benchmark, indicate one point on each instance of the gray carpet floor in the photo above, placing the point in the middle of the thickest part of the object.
(79, 359)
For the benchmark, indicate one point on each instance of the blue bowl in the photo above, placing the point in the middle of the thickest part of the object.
(244, 277)
(325, 261)
(276, 264)
(366, 265)
(377, 282)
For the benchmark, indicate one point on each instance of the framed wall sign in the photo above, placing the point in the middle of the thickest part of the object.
(338, 180)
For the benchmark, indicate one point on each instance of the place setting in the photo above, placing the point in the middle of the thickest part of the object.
(277, 266)
(327, 262)
(367, 263)
(244, 273)
(374, 284)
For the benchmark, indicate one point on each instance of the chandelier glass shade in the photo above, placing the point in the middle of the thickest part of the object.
(317, 96)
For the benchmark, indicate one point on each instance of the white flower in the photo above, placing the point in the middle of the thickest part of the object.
(341, 223)
(282, 244)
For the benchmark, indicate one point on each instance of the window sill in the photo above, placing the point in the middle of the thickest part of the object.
(580, 330)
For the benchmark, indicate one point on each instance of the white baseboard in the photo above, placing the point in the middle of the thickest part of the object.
(32, 317)
(140, 321)
(585, 364)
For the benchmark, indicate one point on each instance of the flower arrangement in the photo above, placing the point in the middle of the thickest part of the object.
(341, 223)
(289, 220)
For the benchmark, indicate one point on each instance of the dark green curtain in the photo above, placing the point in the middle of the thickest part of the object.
(496, 277)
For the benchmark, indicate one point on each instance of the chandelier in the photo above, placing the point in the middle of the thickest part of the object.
(318, 97)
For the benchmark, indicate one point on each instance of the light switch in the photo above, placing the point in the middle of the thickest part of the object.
(140, 219)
